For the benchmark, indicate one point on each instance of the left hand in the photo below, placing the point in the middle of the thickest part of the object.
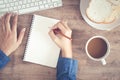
(8, 34)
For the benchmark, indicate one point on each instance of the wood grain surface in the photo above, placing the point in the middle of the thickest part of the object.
(88, 69)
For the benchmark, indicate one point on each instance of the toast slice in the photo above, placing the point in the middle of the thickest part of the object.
(116, 12)
(99, 11)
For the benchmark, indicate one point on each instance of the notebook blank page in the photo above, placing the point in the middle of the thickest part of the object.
(40, 48)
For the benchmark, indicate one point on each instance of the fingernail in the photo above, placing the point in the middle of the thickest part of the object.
(66, 21)
(24, 29)
(16, 13)
(1, 16)
(13, 14)
(9, 13)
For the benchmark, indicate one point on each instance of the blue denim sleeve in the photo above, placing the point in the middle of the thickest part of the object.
(67, 69)
(3, 59)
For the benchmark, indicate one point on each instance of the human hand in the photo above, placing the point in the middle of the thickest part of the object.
(8, 34)
(64, 43)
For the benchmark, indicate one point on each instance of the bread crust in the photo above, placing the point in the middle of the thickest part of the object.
(102, 22)
(113, 3)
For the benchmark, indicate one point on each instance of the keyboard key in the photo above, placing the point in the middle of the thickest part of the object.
(42, 6)
(36, 3)
(15, 8)
(10, 0)
(37, 0)
(32, 4)
(29, 1)
(1, 2)
(22, 11)
(44, 1)
(8, 5)
(54, 0)
(51, 6)
(12, 4)
(40, 2)
(33, 0)
(28, 5)
(16, 3)
(46, 6)
(23, 6)
(19, 7)
(20, 2)
(4, 10)
(5, 1)
(24, 1)
(14, 0)
(48, 1)
(11, 9)
(59, 4)
(55, 4)
(15, 11)
(2, 6)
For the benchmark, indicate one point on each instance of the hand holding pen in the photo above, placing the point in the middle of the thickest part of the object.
(58, 31)
(61, 35)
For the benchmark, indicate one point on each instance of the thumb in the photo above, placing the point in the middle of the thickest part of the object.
(21, 35)
(54, 37)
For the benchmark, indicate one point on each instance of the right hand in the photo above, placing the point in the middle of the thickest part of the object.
(62, 42)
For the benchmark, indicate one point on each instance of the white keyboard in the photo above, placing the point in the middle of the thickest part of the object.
(27, 6)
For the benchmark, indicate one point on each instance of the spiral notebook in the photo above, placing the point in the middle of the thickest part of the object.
(40, 48)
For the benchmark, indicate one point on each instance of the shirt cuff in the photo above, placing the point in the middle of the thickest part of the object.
(67, 65)
(3, 59)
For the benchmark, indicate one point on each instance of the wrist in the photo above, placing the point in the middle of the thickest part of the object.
(67, 53)
(6, 52)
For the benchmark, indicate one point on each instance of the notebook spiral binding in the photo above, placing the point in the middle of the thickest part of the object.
(30, 30)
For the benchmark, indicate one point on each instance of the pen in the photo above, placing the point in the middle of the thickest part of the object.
(58, 31)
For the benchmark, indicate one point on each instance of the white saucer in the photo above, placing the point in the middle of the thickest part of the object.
(83, 6)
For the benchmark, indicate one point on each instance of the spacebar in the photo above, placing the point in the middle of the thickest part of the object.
(27, 10)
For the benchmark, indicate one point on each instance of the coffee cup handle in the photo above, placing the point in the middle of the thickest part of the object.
(103, 61)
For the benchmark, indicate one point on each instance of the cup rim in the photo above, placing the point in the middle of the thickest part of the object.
(107, 52)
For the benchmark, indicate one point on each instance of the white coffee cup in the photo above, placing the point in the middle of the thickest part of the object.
(102, 59)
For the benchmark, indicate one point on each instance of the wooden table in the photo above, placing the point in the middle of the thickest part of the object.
(88, 69)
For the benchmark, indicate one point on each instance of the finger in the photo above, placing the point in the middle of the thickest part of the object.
(54, 27)
(21, 35)
(65, 24)
(14, 26)
(53, 36)
(1, 18)
(2, 23)
(7, 21)
(61, 27)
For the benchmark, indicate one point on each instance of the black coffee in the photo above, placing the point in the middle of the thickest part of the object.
(97, 47)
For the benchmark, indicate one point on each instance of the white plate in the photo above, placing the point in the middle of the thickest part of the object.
(83, 6)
